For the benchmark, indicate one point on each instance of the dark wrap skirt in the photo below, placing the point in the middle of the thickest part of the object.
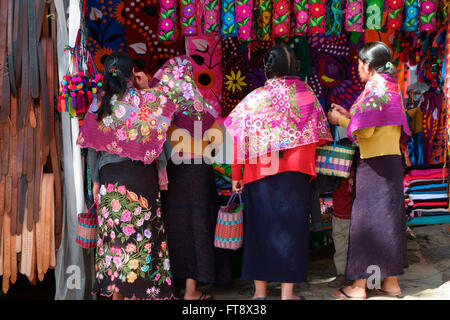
(378, 222)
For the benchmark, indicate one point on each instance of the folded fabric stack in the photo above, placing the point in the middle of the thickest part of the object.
(426, 192)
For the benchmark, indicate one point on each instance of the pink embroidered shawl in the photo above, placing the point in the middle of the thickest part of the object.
(135, 129)
(283, 114)
(380, 104)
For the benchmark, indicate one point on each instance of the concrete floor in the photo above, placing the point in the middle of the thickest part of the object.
(427, 278)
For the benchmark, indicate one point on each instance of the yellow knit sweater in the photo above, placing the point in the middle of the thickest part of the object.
(376, 141)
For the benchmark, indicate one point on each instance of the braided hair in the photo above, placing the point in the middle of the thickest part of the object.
(379, 57)
(280, 61)
(118, 68)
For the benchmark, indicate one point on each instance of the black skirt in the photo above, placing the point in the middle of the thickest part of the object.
(276, 228)
(190, 207)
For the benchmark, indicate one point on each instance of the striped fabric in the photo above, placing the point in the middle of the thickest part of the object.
(229, 233)
(334, 160)
(87, 230)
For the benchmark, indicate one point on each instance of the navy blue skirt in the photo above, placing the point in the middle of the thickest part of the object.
(276, 228)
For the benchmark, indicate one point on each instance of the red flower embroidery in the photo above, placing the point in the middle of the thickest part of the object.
(317, 10)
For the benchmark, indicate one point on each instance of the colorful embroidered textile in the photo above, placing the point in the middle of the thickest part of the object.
(317, 16)
(334, 17)
(411, 22)
(135, 129)
(447, 84)
(188, 16)
(264, 20)
(283, 114)
(244, 19)
(301, 9)
(334, 60)
(443, 12)
(380, 104)
(432, 115)
(176, 80)
(235, 65)
(211, 16)
(374, 14)
(206, 53)
(281, 22)
(439, 141)
(106, 31)
(354, 16)
(228, 18)
(427, 15)
(394, 10)
(141, 29)
(256, 76)
(167, 20)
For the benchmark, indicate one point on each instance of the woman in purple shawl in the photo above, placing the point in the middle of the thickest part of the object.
(377, 123)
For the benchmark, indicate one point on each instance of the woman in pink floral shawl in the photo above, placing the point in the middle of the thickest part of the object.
(377, 122)
(276, 130)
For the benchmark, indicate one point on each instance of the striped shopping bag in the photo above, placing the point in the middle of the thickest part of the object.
(334, 160)
(229, 233)
(87, 229)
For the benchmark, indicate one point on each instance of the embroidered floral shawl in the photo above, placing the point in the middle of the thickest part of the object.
(176, 80)
(135, 129)
(283, 114)
(380, 104)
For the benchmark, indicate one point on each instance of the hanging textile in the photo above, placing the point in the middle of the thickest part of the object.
(106, 29)
(188, 15)
(427, 15)
(301, 8)
(394, 10)
(300, 46)
(438, 147)
(354, 16)
(228, 19)
(334, 17)
(244, 10)
(411, 22)
(141, 29)
(235, 66)
(431, 109)
(264, 20)
(206, 54)
(211, 16)
(443, 11)
(374, 14)
(256, 76)
(167, 20)
(281, 22)
(317, 16)
(334, 60)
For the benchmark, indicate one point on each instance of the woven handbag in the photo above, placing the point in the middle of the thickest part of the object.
(87, 229)
(334, 159)
(229, 232)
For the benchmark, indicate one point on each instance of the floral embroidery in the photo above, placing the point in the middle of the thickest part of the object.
(188, 17)
(264, 21)
(280, 115)
(354, 16)
(317, 16)
(244, 19)
(374, 96)
(167, 20)
(124, 251)
(235, 81)
(395, 10)
(281, 19)
(211, 16)
(428, 15)
(228, 28)
(412, 15)
(334, 17)
(302, 16)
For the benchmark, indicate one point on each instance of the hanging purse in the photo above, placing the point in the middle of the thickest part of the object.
(334, 159)
(87, 229)
(229, 233)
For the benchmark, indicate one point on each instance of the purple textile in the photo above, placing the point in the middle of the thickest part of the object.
(380, 104)
(378, 221)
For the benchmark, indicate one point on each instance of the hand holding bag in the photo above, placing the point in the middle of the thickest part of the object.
(334, 159)
(87, 229)
(229, 233)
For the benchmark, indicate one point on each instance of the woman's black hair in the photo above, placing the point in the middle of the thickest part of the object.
(280, 61)
(379, 57)
(118, 67)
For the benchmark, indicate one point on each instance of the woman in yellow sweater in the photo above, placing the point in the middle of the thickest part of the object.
(377, 122)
